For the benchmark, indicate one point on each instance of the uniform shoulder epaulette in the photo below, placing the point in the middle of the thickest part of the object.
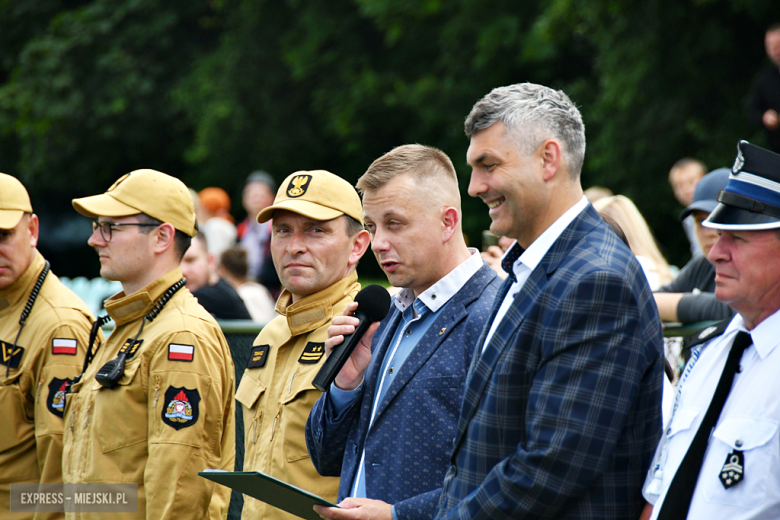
(707, 333)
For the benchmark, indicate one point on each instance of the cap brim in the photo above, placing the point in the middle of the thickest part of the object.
(736, 219)
(302, 207)
(702, 205)
(9, 218)
(103, 205)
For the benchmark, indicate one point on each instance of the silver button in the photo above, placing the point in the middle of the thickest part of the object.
(738, 443)
(408, 332)
(390, 370)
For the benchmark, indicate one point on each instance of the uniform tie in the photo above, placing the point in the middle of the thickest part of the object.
(678, 498)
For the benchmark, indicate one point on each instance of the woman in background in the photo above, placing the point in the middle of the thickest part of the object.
(640, 239)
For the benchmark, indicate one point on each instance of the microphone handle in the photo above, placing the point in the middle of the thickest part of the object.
(339, 355)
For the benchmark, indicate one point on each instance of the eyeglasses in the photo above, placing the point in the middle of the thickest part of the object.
(107, 227)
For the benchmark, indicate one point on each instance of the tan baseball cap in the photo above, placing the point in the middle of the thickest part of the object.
(315, 194)
(158, 195)
(14, 201)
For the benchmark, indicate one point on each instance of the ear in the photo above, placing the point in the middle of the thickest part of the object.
(212, 261)
(32, 227)
(164, 237)
(552, 158)
(360, 243)
(450, 219)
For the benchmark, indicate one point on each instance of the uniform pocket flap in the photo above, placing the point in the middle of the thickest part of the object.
(682, 420)
(745, 433)
(300, 382)
(249, 391)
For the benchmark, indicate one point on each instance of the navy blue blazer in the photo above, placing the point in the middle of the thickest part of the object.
(409, 445)
(562, 410)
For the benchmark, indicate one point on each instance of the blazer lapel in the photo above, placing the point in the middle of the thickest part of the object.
(486, 359)
(452, 313)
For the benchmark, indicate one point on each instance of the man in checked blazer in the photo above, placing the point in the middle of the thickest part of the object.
(386, 427)
(562, 406)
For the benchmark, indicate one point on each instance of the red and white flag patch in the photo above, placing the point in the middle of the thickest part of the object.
(180, 352)
(64, 346)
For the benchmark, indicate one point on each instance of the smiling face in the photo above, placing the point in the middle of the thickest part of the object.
(311, 255)
(405, 224)
(17, 249)
(747, 272)
(509, 182)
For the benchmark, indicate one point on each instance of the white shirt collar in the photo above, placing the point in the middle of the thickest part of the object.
(764, 335)
(435, 296)
(536, 251)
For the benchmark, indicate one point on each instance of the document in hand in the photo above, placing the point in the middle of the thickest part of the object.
(272, 491)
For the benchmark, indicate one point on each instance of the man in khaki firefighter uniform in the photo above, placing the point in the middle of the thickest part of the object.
(316, 242)
(155, 405)
(44, 329)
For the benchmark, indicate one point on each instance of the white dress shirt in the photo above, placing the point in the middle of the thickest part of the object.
(748, 423)
(524, 266)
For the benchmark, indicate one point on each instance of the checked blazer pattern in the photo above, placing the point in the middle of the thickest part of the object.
(562, 410)
(408, 447)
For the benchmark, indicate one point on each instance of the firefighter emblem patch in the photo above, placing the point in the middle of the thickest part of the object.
(58, 389)
(181, 408)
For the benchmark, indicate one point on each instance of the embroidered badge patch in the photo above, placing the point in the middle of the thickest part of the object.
(129, 348)
(312, 353)
(58, 389)
(180, 352)
(733, 471)
(64, 346)
(182, 407)
(10, 355)
(298, 185)
(258, 356)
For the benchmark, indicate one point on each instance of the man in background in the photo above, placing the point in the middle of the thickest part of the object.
(690, 297)
(215, 295)
(255, 237)
(763, 106)
(44, 329)
(683, 177)
(232, 267)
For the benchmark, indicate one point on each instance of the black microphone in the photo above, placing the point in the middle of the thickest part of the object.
(373, 305)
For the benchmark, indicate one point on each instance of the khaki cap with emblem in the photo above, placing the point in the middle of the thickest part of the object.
(151, 192)
(316, 194)
(14, 201)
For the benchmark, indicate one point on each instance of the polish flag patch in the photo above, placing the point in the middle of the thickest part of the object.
(180, 352)
(64, 346)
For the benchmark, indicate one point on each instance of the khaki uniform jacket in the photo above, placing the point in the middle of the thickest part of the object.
(277, 394)
(48, 355)
(170, 415)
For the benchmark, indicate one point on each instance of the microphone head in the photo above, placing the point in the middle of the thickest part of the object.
(374, 302)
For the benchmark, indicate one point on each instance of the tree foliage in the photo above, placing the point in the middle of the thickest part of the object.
(210, 91)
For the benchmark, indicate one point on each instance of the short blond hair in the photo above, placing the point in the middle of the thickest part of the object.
(420, 162)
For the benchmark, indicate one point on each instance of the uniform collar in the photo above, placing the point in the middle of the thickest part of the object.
(315, 310)
(124, 309)
(764, 335)
(20, 289)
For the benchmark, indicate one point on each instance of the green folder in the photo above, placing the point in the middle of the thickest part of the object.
(272, 491)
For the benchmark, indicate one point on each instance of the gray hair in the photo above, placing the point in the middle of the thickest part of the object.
(533, 113)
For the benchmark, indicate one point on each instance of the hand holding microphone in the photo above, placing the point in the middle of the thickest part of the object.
(370, 306)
